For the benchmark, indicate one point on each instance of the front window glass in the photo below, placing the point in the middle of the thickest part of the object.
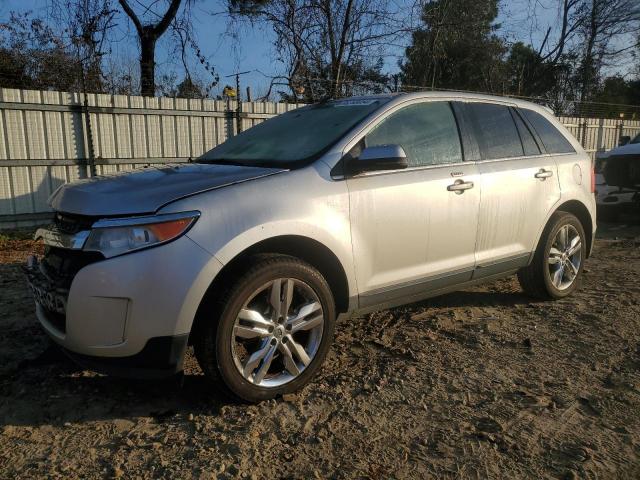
(426, 131)
(294, 138)
(636, 139)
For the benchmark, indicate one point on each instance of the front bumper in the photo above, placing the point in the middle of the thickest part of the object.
(133, 313)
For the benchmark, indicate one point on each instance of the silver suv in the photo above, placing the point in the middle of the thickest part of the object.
(251, 253)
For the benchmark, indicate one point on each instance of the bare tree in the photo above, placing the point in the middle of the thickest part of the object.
(601, 24)
(86, 24)
(588, 40)
(552, 51)
(326, 45)
(148, 35)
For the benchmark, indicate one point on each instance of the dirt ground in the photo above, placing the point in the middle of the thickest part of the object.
(483, 383)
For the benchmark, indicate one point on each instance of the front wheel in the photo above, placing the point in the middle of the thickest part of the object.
(557, 264)
(274, 329)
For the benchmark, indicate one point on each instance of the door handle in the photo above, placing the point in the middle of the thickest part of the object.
(459, 186)
(542, 174)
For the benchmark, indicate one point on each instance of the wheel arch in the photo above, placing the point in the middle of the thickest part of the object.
(307, 249)
(581, 211)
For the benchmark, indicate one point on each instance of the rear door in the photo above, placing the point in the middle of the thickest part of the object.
(519, 185)
(414, 230)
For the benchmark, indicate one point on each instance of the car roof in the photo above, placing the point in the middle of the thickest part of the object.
(452, 94)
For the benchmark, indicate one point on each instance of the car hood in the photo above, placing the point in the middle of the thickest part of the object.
(628, 149)
(146, 190)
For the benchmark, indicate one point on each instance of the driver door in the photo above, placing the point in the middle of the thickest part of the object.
(414, 230)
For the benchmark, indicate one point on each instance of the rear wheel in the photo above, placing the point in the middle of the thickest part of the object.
(275, 326)
(556, 268)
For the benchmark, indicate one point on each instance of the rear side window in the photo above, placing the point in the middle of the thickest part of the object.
(495, 130)
(427, 132)
(553, 140)
(528, 142)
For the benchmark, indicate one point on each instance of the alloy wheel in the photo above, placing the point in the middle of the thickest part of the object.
(565, 257)
(277, 332)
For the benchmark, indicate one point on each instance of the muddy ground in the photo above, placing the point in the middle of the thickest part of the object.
(483, 383)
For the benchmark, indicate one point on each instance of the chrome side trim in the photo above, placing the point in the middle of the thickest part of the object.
(381, 296)
(54, 238)
(144, 220)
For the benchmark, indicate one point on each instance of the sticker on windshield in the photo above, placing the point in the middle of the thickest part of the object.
(354, 102)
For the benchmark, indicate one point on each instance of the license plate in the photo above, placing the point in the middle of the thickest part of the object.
(52, 301)
(47, 296)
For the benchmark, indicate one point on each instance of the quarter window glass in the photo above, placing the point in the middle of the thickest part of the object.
(528, 142)
(496, 131)
(427, 132)
(553, 140)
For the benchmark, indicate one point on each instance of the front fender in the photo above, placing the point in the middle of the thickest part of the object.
(253, 236)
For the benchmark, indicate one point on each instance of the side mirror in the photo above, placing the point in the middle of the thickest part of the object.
(380, 157)
(624, 140)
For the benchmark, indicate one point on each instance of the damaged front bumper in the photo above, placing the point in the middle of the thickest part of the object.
(129, 315)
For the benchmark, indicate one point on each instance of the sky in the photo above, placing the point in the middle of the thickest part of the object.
(234, 48)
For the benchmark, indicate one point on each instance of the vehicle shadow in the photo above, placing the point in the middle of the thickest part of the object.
(52, 390)
(476, 298)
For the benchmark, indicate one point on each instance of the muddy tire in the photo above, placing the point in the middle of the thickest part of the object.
(274, 328)
(556, 269)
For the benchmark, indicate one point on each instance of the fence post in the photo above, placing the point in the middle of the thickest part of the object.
(583, 137)
(238, 105)
(621, 131)
(229, 120)
(89, 133)
(600, 135)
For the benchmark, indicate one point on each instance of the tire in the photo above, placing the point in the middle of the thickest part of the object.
(540, 278)
(246, 309)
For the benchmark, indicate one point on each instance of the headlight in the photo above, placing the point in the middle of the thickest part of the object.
(113, 237)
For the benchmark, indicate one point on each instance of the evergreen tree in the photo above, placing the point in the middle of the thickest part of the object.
(457, 47)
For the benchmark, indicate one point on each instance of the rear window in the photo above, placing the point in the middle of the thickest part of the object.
(495, 130)
(553, 140)
(528, 142)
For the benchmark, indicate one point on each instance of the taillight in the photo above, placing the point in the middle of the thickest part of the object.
(593, 178)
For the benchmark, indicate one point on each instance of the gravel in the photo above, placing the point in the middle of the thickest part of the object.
(480, 383)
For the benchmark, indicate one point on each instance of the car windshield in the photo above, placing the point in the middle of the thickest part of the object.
(636, 139)
(294, 138)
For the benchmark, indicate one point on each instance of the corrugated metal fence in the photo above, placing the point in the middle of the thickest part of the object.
(45, 140)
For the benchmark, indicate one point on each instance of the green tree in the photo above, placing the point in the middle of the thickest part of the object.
(616, 91)
(529, 74)
(456, 47)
